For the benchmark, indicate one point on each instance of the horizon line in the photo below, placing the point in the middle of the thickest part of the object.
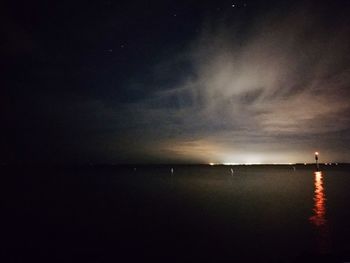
(160, 164)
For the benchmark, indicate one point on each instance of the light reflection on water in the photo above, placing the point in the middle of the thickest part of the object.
(318, 219)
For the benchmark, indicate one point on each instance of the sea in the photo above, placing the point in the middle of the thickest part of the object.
(175, 213)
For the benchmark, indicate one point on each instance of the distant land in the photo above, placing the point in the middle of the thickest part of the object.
(106, 165)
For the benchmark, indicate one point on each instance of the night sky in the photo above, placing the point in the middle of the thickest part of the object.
(175, 81)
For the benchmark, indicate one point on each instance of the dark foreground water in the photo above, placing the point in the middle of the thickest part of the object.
(196, 214)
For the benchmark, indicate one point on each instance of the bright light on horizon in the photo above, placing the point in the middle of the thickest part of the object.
(251, 164)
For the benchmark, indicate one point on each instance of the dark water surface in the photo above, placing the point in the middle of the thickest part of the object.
(196, 214)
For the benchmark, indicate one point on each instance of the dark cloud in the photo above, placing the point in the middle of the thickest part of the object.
(262, 82)
(283, 86)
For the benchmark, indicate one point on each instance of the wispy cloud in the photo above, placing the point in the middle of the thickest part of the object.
(282, 86)
(289, 76)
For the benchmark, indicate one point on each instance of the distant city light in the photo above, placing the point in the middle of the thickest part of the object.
(251, 164)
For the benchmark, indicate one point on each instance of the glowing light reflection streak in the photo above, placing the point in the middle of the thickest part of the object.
(318, 219)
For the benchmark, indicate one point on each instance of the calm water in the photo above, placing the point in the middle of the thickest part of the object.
(196, 213)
